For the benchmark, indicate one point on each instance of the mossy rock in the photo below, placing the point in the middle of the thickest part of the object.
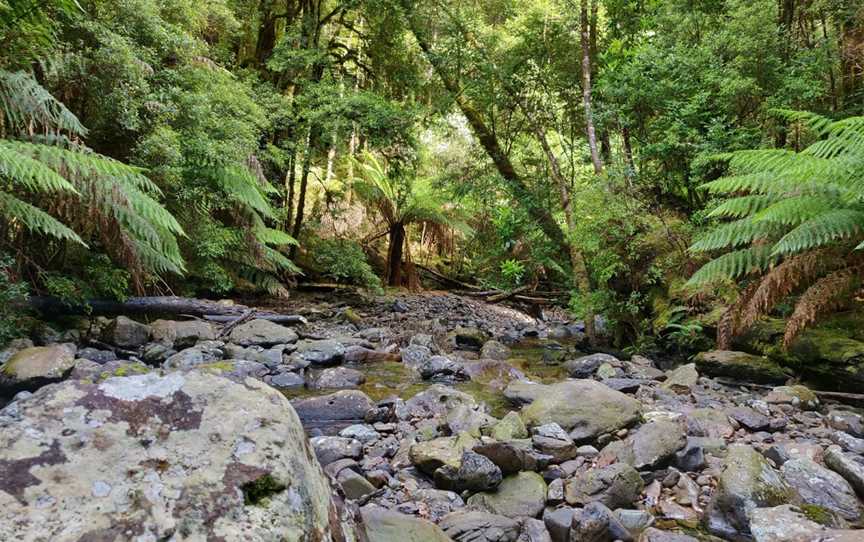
(741, 366)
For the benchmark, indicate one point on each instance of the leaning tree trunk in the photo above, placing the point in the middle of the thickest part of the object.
(394, 254)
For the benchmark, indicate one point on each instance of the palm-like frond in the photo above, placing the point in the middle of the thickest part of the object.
(787, 207)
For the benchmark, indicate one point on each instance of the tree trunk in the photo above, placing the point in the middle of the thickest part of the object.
(585, 42)
(394, 254)
(290, 177)
(301, 197)
(516, 184)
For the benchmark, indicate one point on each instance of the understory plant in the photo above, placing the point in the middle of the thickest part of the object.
(793, 227)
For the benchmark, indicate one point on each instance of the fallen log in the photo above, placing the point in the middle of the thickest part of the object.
(501, 296)
(445, 278)
(157, 305)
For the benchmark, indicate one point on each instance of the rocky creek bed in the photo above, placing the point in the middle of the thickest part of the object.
(417, 418)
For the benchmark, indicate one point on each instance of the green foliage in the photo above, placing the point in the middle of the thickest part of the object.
(12, 292)
(343, 261)
(512, 271)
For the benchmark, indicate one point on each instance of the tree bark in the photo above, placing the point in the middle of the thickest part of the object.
(394, 254)
(301, 196)
(516, 184)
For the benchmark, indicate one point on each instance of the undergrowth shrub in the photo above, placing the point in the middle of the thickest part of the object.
(343, 261)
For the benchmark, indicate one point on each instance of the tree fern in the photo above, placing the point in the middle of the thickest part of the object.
(787, 205)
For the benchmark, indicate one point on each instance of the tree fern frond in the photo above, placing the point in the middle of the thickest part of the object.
(826, 294)
(27, 104)
(35, 219)
(817, 123)
(821, 230)
(30, 174)
(270, 236)
(735, 234)
(732, 265)
(241, 186)
(742, 206)
(795, 210)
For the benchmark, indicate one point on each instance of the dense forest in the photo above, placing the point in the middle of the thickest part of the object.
(604, 150)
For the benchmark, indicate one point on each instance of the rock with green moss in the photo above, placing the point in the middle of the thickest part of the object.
(789, 523)
(741, 366)
(746, 482)
(31, 368)
(585, 408)
(519, 495)
(160, 455)
(821, 487)
(433, 454)
(616, 486)
(386, 526)
(509, 427)
(797, 395)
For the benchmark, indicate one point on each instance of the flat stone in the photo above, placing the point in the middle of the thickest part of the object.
(432, 454)
(822, 487)
(475, 473)
(550, 439)
(33, 367)
(522, 494)
(586, 366)
(849, 466)
(386, 526)
(181, 334)
(655, 443)
(616, 486)
(337, 378)
(126, 333)
(740, 366)
(790, 524)
(321, 353)
(797, 396)
(261, 333)
(513, 456)
(335, 411)
(479, 526)
(509, 427)
(329, 449)
(683, 379)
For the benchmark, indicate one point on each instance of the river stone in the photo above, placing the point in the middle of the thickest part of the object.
(552, 440)
(430, 455)
(13, 347)
(437, 401)
(329, 449)
(683, 379)
(286, 380)
(469, 338)
(88, 370)
(386, 526)
(586, 366)
(596, 523)
(181, 334)
(848, 422)
(337, 378)
(848, 442)
(616, 486)
(200, 354)
(747, 481)
(438, 502)
(362, 432)
(509, 427)
(558, 521)
(821, 487)
(790, 524)
(849, 466)
(749, 418)
(656, 535)
(261, 333)
(494, 350)
(414, 356)
(654, 444)
(148, 457)
(237, 370)
(522, 494)
(96, 355)
(797, 395)
(740, 366)
(475, 473)
(513, 456)
(479, 526)
(585, 408)
(709, 422)
(335, 411)
(321, 353)
(126, 333)
(30, 368)
(533, 530)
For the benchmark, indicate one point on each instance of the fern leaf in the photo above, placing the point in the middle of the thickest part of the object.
(742, 206)
(826, 294)
(35, 219)
(821, 230)
(735, 234)
(732, 265)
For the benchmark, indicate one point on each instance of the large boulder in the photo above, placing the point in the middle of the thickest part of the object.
(261, 333)
(586, 408)
(30, 368)
(437, 401)
(655, 443)
(337, 378)
(747, 481)
(849, 466)
(321, 353)
(430, 455)
(522, 494)
(152, 457)
(682, 379)
(740, 366)
(790, 524)
(586, 366)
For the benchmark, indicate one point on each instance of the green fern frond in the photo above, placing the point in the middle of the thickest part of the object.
(32, 175)
(732, 265)
(241, 187)
(742, 206)
(35, 219)
(795, 210)
(28, 105)
(819, 231)
(735, 234)
(270, 236)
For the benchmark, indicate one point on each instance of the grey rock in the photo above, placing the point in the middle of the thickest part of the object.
(181, 334)
(790, 524)
(846, 421)
(329, 449)
(387, 526)
(287, 380)
(261, 333)
(585, 408)
(656, 535)
(558, 522)
(550, 439)
(414, 356)
(523, 392)
(126, 333)
(203, 353)
(209, 457)
(848, 442)
(509, 427)
(821, 487)
(849, 466)
(533, 530)
(478, 526)
(655, 443)
(709, 422)
(437, 401)
(522, 494)
(31, 368)
(337, 378)
(354, 485)
(430, 455)
(362, 432)
(596, 523)
(475, 473)
(334, 411)
(683, 379)
(494, 350)
(321, 353)
(635, 521)
(586, 366)
(746, 482)
(616, 486)
(749, 418)
(513, 456)
(96, 355)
